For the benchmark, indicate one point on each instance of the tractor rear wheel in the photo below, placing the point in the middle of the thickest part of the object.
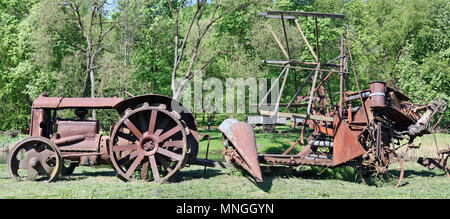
(148, 143)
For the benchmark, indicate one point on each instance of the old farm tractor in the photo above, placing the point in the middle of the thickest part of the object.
(365, 128)
(156, 136)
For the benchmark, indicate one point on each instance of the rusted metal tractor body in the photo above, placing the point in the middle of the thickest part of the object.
(363, 128)
(77, 139)
(154, 132)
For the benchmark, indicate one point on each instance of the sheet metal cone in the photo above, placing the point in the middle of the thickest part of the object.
(241, 135)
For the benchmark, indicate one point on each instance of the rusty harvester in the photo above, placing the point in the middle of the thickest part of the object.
(156, 136)
(365, 129)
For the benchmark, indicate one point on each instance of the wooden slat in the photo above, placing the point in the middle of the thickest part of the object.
(306, 41)
(302, 13)
(312, 117)
(295, 62)
(278, 42)
(275, 16)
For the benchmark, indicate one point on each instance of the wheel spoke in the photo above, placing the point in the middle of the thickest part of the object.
(151, 125)
(144, 171)
(169, 133)
(158, 132)
(133, 166)
(161, 127)
(178, 144)
(164, 162)
(124, 147)
(133, 128)
(126, 136)
(22, 164)
(43, 157)
(31, 174)
(128, 157)
(142, 122)
(154, 168)
(168, 153)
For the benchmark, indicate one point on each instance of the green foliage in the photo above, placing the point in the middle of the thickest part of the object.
(152, 56)
(405, 42)
(16, 71)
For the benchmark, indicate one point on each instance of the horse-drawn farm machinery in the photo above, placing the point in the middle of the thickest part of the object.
(365, 128)
(156, 135)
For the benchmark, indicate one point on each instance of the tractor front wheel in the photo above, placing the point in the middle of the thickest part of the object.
(35, 159)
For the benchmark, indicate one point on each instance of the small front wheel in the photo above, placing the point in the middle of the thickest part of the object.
(35, 159)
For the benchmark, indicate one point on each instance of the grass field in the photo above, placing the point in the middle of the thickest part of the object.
(87, 183)
(305, 183)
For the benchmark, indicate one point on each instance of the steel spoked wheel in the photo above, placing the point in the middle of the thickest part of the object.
(148, 143)
(381, 166)
(35, 159)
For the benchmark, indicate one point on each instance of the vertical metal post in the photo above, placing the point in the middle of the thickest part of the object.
(285, 37)
(206, 157)
(341, 79)
(308, 111)
(378, 151)
(356, 80)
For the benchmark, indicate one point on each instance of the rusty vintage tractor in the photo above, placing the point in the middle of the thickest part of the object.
(155, 137)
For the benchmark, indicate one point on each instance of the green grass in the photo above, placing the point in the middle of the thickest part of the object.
(428, 146)
(265, 142)
(304, 183)
(101, 182)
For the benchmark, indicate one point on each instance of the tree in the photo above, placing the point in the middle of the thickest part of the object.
(93, 24)
(200, 9)
(16, 68)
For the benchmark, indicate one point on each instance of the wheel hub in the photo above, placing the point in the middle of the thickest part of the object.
(148, 145)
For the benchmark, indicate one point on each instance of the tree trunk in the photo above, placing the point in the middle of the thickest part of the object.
(91, 74)
(88, 70)
(85, 86)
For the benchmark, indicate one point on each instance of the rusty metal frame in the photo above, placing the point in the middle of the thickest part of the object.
(359, 133)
